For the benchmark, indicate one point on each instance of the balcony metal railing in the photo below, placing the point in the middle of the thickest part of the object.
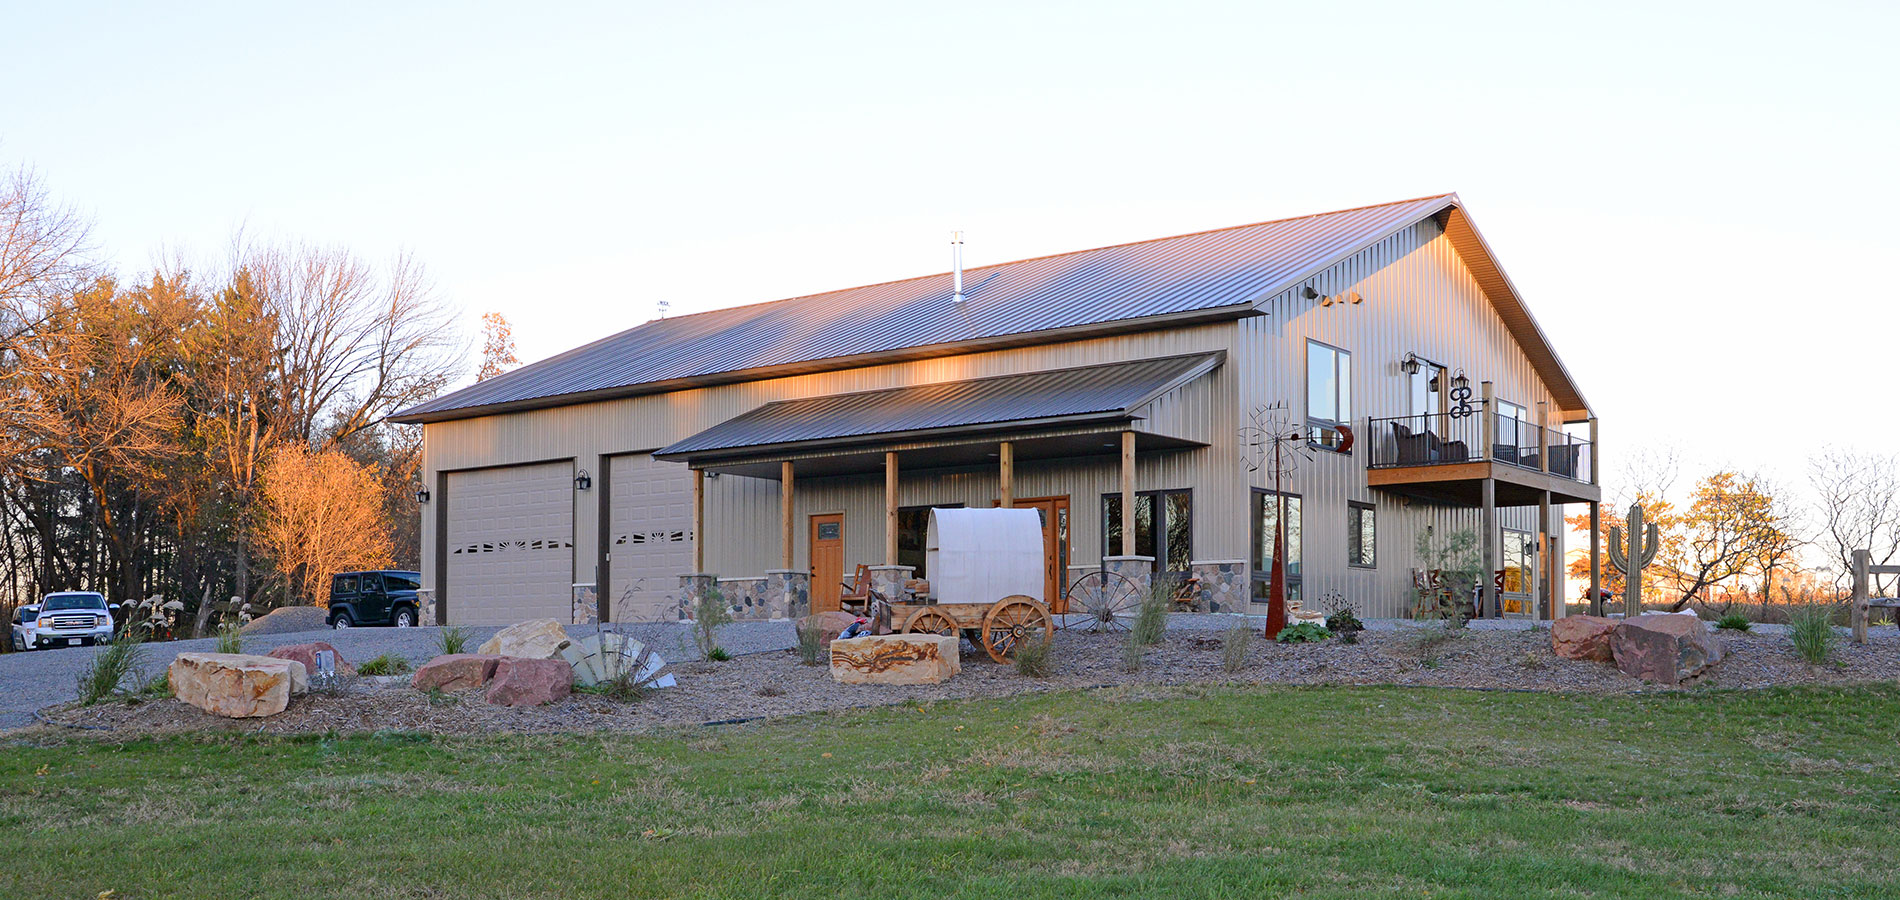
(1436, 439)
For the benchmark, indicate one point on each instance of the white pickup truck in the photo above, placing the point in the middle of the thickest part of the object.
(64, 619)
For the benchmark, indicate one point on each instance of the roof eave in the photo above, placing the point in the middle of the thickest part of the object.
(718, 455)
(1002, 342)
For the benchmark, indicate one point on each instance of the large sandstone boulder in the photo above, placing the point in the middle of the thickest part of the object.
(1582, 637)
(1664, 648)
(533, 639)
(529, 682)
(455, 672)
(894, 659)
(829, 625)
(236, 685)
(307, 654)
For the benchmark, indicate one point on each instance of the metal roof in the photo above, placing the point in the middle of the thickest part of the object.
(1106, 392)
(1190, 277)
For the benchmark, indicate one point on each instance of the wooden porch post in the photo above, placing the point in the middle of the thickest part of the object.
(1596, 554)
(1128, 493)
(1863, 561)
(1006, 459)
(1488, 424)
(1488, 577)
(1546, 575)
(890, 507)
(785, 510)
(699, 521)
(1543, 437)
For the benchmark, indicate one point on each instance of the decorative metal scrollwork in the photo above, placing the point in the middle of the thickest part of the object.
(1463, 396)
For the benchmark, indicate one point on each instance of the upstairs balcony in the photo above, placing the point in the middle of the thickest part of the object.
(1445, 458)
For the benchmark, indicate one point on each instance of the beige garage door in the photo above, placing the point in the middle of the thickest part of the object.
(511, 544)
(650, 538)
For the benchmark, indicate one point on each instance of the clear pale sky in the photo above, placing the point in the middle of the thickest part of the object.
(1698, 200)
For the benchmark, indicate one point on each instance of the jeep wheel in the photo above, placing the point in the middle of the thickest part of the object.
(341, 620)
(405, 618)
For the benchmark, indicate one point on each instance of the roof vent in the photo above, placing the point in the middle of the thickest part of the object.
(956, 267)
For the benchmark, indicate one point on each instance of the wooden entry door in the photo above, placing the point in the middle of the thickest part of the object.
(1055, 547)
(827, 561)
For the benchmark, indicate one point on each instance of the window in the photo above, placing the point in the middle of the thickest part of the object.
(1174, 510)
(403, 581)
(1268, 507)
(372, 583)
(1328, 394)
(343, 584)
(913, 530)
(1361, 535)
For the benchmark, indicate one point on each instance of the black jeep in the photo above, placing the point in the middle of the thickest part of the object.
(374, 598)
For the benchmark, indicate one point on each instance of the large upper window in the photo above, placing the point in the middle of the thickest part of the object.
(1268, 507)
(1171, 544)
(1328, 394)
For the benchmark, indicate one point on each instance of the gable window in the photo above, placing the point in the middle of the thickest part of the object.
(1328, 395)
(913, 528)
(1268, 507)
(1164, 527)
(1361, 535)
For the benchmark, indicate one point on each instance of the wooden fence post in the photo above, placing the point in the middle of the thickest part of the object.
(1862, 560)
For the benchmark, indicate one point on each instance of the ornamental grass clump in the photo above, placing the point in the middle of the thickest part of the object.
(1812, 631)
(113, 669)
(1733, 622)
(709, 613)
(386, 664)
(1032, 658)
(1151, 620)
(1234, 645)
(230, 638)
(811, 642)
(451, 641)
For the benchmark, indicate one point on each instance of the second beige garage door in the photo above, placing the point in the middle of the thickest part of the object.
(649, 536)
(511, 544)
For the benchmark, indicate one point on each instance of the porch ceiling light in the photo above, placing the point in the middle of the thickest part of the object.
(583, 481)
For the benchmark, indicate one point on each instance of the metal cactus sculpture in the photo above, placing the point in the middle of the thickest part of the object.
(1642, 552)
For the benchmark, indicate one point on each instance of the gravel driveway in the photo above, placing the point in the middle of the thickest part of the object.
(30, 681)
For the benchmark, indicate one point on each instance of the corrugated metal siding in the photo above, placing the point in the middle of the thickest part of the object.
(1418, 296)
(1210, 270)
(586, 432)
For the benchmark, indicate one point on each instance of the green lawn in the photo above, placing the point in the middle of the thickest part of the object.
(1328, 792)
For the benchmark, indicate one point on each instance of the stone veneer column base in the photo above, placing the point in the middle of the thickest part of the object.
(426, 599)
(1223, 587)
(889, 581)
(788, 590)
(693, 587)
(1138, 569)
(586, 609)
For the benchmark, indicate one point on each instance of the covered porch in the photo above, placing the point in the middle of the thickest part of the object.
(1070, 429)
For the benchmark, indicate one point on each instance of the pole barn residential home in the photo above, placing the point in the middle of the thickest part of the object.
(773, 449)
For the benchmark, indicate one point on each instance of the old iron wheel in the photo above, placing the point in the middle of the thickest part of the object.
(1013, 621)
(1108, 601)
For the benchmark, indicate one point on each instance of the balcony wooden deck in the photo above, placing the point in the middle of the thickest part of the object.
(1462, 484)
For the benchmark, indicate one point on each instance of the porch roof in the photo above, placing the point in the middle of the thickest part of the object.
(1060, 402)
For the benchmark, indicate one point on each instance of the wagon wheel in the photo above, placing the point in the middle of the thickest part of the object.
(930, 621)
(1013, 621)
(1109, 601)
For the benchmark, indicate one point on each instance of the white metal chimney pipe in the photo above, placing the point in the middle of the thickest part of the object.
(956, 263)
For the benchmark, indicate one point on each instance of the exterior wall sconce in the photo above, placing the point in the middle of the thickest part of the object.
(422, 494)
(583, 481)
(1309, 293)
(1410, 366)
(1460, 382)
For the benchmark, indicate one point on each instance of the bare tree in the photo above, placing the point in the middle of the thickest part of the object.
(498, 347)
(356, 344)
(1857, 507)
(42, 253)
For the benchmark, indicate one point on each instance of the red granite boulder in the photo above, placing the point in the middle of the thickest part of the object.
(529, 682)
(829, 625)
(307, 654)
(1582, 637)
(1667, 649)
(455, 672)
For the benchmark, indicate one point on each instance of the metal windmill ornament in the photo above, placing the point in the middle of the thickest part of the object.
(1265, 443)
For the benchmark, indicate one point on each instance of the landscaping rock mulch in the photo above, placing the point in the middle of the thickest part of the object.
(769, 684)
